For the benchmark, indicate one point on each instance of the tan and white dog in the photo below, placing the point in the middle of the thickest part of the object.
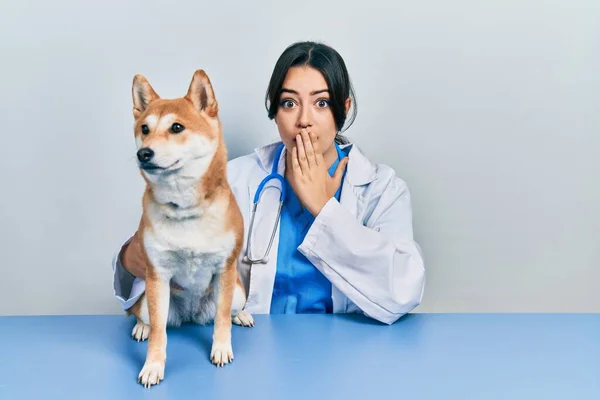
(191, 230)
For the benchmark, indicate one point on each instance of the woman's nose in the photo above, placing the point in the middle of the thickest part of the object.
(305, 117)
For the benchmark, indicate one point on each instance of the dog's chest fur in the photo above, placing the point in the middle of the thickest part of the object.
(188, 245)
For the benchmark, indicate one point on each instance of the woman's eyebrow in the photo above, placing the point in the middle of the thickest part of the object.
(285, 90)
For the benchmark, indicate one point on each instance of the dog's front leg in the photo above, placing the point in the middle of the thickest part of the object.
(222, 352)
(158, 297)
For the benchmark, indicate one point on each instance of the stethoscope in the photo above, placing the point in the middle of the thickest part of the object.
(273, 175)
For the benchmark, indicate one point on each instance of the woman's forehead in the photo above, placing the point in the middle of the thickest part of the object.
(304, 80)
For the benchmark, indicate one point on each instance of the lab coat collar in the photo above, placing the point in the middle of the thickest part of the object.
(360, 170)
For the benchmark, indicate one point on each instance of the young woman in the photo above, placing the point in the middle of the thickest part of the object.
(343, 241)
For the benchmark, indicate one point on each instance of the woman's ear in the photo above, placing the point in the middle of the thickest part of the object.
(348, 104)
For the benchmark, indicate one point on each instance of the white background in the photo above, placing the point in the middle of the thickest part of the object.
(488, 110)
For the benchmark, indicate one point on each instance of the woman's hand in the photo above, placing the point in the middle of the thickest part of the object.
(310, 177)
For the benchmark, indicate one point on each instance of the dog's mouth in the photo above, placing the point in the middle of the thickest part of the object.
(154, 168)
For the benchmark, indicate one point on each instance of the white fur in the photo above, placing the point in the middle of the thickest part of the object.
(182, 248)
(239, 315)
(239, 300)
(189, 160)
(140, 331)
(151, 121)
(152, 373)
(192, 252)
(165, 122)
(243, 318)
(221, 353)
(144, 314)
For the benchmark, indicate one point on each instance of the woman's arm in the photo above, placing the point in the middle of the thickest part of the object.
(379, 267)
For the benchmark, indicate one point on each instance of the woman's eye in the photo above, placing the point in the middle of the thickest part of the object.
(287, 104)
(177, 128)
(323, 103)
(145, 129)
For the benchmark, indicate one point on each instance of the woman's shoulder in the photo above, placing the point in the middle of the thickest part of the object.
(373, 176)
(245, 160)
(379, 187)
(250, 164)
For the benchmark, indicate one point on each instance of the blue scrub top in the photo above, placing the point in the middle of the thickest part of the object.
(299, 286)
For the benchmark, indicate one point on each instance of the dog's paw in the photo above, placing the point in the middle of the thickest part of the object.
(152, 373)
(140, 332)
(221, 353)
(243, 318)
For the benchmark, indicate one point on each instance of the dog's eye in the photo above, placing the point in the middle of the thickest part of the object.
(177, 128)
(145, 129)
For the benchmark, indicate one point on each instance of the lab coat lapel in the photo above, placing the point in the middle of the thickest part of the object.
(359, 172)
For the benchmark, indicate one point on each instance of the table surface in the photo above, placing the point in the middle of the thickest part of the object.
(422, 356)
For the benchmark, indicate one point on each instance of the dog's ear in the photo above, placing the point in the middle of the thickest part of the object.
(143, 95)
(201, 94)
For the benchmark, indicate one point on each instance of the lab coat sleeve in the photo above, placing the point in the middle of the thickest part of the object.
(127, 288)
(377, 265)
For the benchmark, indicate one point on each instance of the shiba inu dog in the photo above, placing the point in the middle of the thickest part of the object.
(191, 229)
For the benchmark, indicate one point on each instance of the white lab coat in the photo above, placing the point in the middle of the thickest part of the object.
(363, 244)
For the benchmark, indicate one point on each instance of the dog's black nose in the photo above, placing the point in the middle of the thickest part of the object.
(145, 154)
